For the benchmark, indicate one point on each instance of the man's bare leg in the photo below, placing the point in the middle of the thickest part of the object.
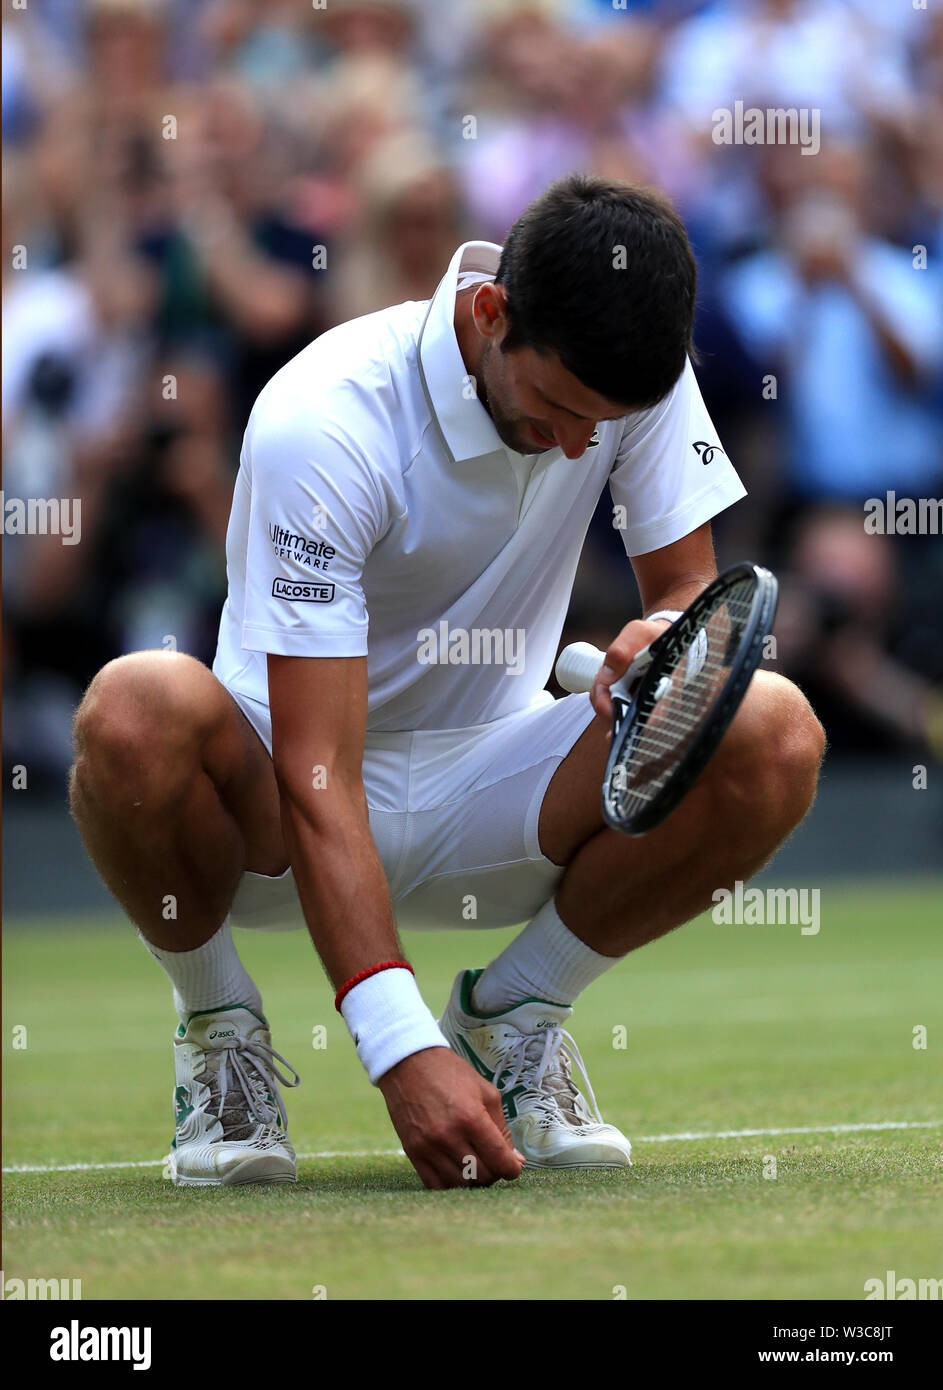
(175, 797)
(173, 793)
(618, 892)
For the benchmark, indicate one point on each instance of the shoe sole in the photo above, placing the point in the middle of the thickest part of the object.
(573, 1167)
(252, 1170)
(231, 1182)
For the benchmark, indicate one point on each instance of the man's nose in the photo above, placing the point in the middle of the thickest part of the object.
(574, 440)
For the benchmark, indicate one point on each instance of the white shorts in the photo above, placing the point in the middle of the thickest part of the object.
(453, 813)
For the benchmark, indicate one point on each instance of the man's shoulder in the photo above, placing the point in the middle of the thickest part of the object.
(355, 381)
(638, 425)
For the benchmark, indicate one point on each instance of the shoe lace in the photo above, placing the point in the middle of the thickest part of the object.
(543, 1062)
(250, 1067)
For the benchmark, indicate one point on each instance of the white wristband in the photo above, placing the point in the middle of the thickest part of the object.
(389, 1021)
(671, 615)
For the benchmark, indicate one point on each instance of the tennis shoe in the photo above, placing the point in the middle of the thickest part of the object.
(230, 1120)
(528, 1055)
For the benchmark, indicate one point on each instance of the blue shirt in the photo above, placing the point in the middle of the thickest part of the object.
(854, 428)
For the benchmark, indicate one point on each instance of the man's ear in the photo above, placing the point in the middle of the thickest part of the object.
(489, 310)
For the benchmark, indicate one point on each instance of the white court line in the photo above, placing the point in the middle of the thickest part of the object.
(398, 1153)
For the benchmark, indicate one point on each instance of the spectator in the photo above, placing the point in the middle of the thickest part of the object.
(321, 164)
(838, 629)
(410, 225)
(854, 334)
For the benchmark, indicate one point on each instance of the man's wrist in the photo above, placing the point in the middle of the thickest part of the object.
(388, 1020)
(667, 615)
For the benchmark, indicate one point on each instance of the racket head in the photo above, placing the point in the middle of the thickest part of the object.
(683, 705)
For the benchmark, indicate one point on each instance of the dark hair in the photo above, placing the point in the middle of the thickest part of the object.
(602, 273)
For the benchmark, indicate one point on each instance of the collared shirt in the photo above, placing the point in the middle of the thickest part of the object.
(377, 513)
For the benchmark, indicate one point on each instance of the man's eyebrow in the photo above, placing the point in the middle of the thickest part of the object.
(566, 409)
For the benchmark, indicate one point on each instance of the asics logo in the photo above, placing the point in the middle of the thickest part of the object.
(219, 1033)
(705, 451)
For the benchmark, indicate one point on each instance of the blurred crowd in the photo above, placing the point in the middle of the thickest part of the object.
(193, 189)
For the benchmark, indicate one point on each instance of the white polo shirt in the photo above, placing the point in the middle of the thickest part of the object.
(377, 513)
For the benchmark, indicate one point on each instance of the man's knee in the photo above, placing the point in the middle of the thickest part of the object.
(773, 751)
(798, 739)
(144, 715)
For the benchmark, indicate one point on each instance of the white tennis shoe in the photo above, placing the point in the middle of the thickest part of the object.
(231, 1125)
(527, 1054)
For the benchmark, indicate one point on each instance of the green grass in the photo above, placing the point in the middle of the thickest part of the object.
(728, 1028)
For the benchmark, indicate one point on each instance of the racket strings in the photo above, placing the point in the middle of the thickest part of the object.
(679, 698)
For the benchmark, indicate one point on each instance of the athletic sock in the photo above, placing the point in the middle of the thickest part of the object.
(545, 962)
(209, 977)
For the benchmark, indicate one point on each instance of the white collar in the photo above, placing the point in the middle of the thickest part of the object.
(467, 428)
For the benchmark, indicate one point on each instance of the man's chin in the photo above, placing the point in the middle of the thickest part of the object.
(516, 440)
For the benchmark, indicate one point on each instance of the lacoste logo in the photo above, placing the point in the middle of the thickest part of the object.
(302, 591)
(705, 451)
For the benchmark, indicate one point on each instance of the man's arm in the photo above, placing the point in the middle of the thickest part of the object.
(319, 711)
(669, 578)
(674, 576)
(442, 1110)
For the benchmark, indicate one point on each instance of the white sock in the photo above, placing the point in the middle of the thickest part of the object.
(545, 962)
(209, 977)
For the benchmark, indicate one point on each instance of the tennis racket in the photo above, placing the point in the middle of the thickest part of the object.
(676, 701)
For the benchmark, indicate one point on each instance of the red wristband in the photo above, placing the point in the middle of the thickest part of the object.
(362, 975)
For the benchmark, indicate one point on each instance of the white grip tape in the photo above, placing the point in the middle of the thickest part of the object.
(388, 1020)
(578, 666)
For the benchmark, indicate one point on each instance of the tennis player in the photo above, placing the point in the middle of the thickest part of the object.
(374, 747)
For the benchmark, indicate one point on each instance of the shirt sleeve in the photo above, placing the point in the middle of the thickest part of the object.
(316, 511)
(671, 473)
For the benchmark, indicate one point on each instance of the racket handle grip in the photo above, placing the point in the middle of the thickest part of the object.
(578, 665)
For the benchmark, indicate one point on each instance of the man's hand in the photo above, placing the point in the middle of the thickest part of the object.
(449, 1120)
(630, 641)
